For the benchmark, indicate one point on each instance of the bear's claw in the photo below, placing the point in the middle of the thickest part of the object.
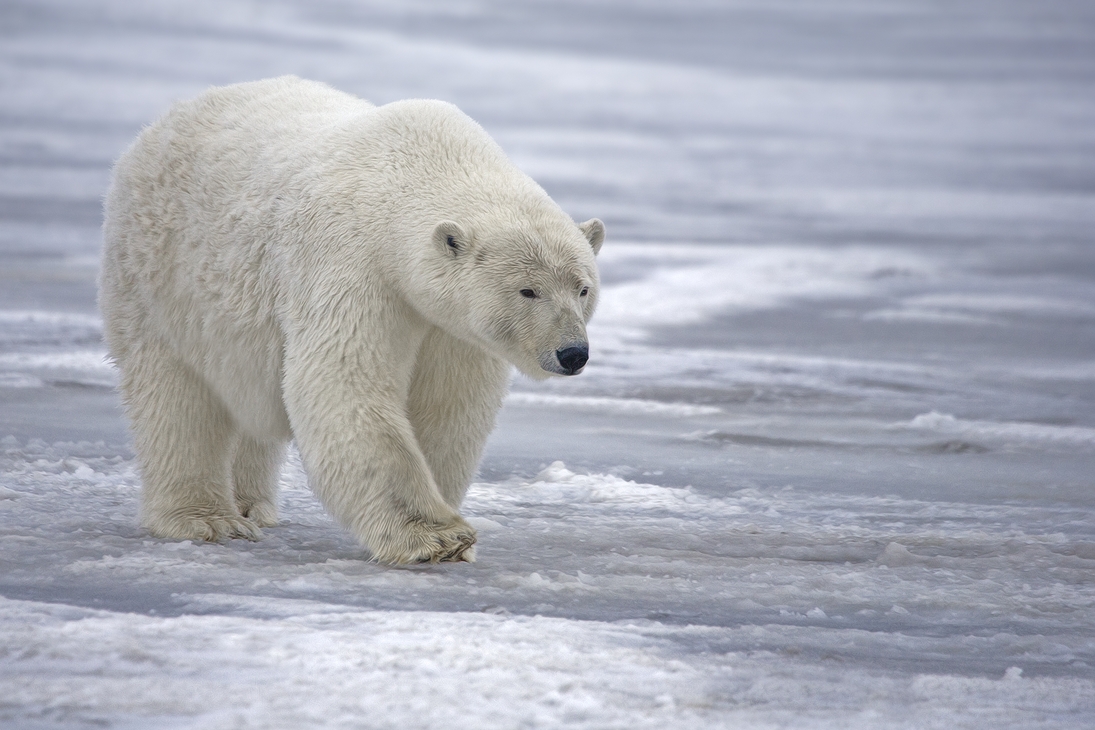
(463, 552)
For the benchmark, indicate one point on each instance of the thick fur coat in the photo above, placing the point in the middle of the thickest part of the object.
(286, 261)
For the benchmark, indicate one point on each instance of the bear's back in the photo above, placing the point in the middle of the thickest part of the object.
(231, 138)
(198, 188)
(192, 214)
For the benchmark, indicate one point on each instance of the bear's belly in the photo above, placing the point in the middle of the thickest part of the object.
(251, 390)
(243, 366)
(218, 312)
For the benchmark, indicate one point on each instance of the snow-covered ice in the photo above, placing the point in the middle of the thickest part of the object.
(831, 464)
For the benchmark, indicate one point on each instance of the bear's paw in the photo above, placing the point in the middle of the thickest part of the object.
(203, 525)
(262, 513)
(429, 542)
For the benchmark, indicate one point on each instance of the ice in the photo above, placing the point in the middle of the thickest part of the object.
(621, 406)
(830, 463)
(1011, 433)
(687, 284)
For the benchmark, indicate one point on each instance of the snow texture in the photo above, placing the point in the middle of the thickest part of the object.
(830, 464)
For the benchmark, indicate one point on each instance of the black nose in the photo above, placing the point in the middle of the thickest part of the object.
(573, 359)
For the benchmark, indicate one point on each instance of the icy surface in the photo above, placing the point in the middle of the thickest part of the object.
(831, 463)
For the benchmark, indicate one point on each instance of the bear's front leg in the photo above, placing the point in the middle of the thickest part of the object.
(454, 398)
(347, 404)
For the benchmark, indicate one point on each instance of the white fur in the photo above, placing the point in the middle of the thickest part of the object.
(283, 260)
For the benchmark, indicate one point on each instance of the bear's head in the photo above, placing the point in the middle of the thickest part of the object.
(524, 292)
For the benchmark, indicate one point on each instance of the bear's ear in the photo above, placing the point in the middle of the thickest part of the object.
(451, 238)
(594, 232)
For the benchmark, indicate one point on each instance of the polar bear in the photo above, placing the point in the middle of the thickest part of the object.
(285, 261)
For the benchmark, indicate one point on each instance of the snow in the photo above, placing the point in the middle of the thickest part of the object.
(830, 464)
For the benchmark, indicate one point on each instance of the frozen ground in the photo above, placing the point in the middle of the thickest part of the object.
(831, 464)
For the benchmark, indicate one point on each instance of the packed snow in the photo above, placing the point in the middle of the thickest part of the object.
(831, 463)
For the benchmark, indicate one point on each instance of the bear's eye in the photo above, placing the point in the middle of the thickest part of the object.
(451, 241)
(528, 293)
(584, 291)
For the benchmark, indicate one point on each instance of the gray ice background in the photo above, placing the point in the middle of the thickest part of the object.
(831, 464)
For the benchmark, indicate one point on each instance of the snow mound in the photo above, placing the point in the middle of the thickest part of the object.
(556, 483)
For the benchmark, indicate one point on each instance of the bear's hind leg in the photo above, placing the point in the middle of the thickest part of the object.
(185, 438)
(255, 479)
